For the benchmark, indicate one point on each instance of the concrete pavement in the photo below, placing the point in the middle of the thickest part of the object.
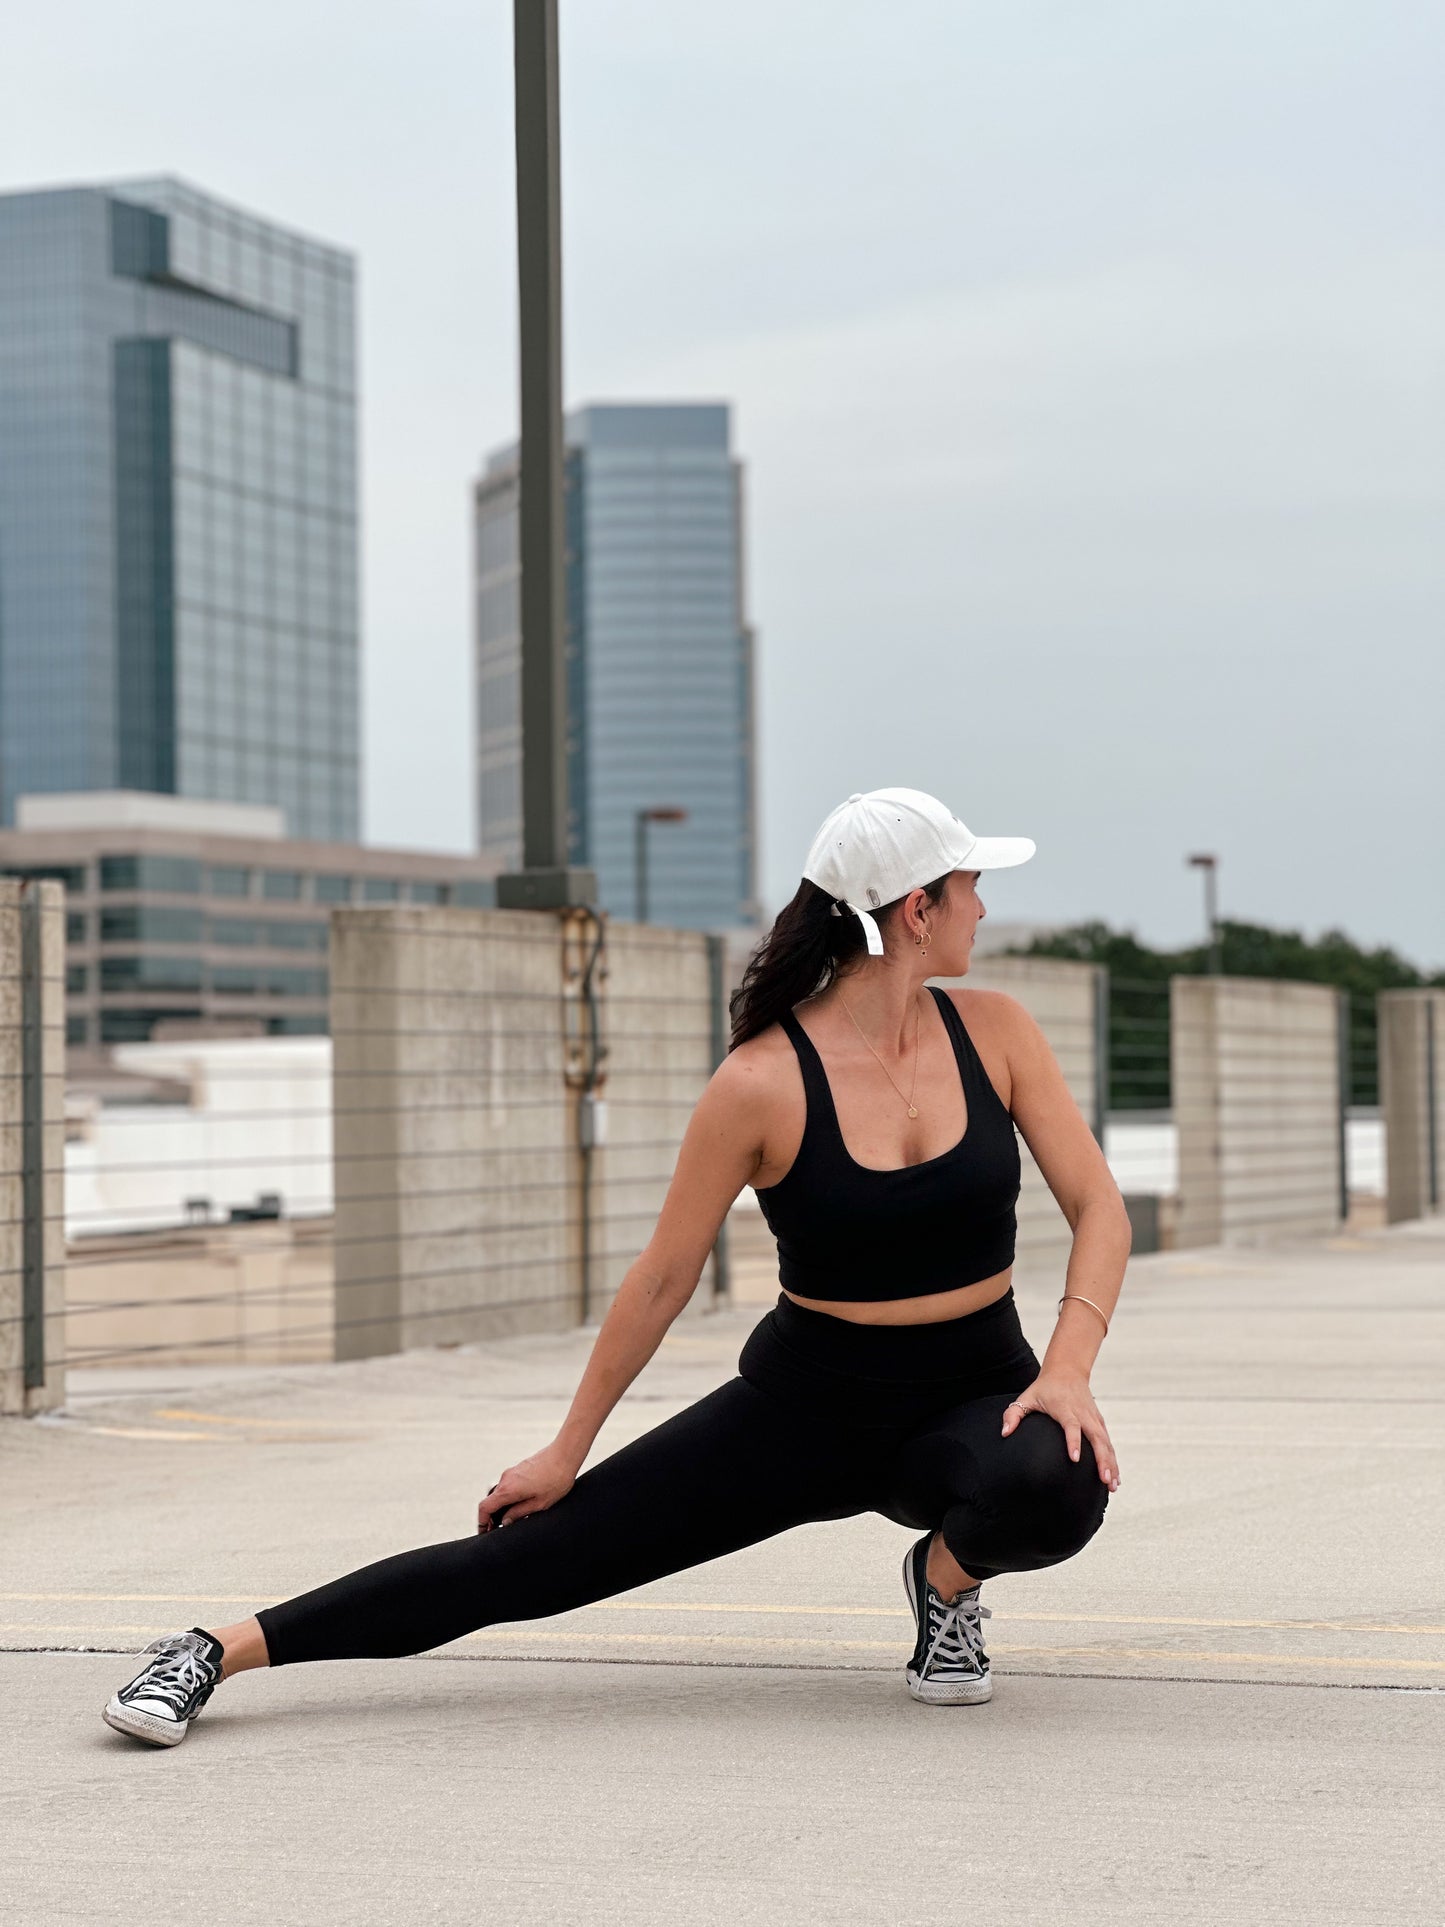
(1229, 1707)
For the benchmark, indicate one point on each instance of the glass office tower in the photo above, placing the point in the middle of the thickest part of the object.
(178, 509)
(659, 662)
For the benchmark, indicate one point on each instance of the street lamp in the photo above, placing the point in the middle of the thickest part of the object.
(1210, 867)
(656, 814)
(546, 879)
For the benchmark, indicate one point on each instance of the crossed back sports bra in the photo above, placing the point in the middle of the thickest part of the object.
(846, 1231)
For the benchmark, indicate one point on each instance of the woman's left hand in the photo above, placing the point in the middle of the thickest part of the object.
(1071, 1404)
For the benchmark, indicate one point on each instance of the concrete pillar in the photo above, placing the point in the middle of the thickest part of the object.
(1412, 1100)
(32, 1145)
(1256, 1078)
(661, 1038)
(1063, 998)
(455, 1128)
(465, 1197)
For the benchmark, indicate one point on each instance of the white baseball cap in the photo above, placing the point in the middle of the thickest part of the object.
(881, 844)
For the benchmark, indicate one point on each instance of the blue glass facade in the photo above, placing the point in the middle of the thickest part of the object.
(659, 662)
(178, 504)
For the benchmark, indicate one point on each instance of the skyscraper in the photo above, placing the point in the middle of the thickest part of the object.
(178, 514)
(659, 661)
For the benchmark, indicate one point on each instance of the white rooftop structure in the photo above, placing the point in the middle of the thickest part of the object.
(148, 810)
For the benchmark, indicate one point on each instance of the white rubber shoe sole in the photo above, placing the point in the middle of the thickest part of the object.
(144, 1726)
(950, 1692)
(954, 1690)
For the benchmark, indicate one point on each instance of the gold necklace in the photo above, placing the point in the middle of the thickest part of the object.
(912, 1111)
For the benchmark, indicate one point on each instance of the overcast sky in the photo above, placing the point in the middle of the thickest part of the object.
(1086, 361)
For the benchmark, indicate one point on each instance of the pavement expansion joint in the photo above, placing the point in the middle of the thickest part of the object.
(803, 1666)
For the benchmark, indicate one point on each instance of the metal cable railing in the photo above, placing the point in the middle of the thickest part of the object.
(371, 1184)
(269, 1202)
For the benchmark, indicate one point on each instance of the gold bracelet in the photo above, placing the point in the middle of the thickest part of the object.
(1079, 1297)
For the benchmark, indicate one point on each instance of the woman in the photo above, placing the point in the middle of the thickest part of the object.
(877, 1129)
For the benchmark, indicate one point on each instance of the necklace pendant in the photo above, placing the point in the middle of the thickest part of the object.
(911, 1111)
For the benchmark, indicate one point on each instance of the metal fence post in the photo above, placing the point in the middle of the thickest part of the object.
(1101, 1051)
(32, 1137)
(1432, 1127)
(1343, 1083)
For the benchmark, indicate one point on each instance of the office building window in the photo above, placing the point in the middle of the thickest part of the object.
(228, 980)
(151, 923)
(235, 930)
(179, 875)
(284, 885)
(72, 875)
(297, 936)
(295, 983)
(331, 889)
(380, 890)
(150, 972)
(229, 880)
(135, 1026)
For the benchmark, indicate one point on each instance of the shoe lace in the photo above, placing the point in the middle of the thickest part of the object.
(173, 1676)
(956, 1634)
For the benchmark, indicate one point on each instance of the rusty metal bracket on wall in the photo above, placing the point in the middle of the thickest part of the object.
(584, 1057)
(719, 1033)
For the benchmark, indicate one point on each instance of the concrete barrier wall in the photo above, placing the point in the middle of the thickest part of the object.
(658, 1030)
(1255, 1072)
(1412, 1099)
(458, 1051)
(32, 1134)
(1062, 998)
(455, 1133)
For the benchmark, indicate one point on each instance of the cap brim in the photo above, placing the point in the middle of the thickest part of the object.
(998, 853)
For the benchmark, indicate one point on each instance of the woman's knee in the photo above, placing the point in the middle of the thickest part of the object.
(1056, 1503)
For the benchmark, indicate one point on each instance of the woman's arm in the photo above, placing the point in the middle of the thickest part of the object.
(1076, 1171)
(719, 1154)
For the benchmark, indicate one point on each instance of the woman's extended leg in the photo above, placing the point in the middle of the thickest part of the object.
(734, 1468)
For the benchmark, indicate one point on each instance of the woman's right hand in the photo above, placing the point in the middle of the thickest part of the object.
(529, 1486)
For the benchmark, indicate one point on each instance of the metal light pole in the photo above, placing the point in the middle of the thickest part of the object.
(546, 880)
(656, 814)
(1210, 867)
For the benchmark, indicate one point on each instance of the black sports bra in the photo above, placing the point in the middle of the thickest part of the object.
(846, 1231)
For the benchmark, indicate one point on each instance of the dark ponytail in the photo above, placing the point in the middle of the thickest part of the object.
(807, 949)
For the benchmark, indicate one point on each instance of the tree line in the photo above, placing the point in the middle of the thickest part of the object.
(1139, 992)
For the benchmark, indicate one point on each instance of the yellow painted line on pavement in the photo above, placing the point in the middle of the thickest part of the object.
(276, 1432)
(774, 1642)
(126, 1598)
(1016, 1618)
(1158, 1653)
(766, 1610)
(142, 1432)
(221, 1418)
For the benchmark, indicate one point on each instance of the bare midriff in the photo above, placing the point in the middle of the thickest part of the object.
(930, 1309)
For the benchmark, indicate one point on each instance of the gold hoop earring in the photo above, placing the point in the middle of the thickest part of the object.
(922, 945)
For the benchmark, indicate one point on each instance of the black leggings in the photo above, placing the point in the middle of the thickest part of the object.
(826, 1419)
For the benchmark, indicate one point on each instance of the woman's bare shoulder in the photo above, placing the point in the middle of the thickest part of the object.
(756, 1063)
(993, 1009)
(992, 1019)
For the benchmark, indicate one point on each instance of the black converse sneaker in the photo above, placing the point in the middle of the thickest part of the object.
(949, 1666)
(160, 1702)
